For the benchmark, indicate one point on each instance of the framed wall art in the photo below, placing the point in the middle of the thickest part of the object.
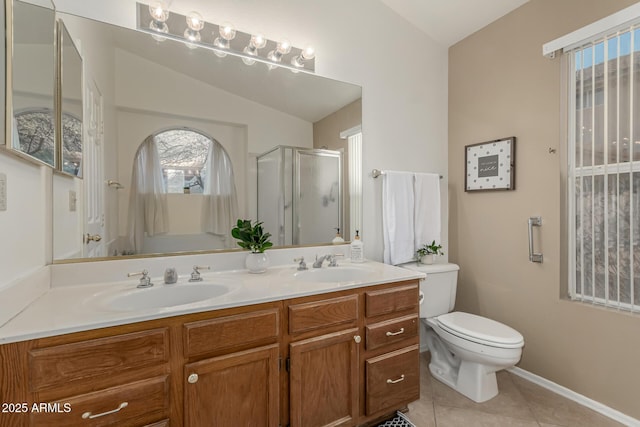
(490, 166)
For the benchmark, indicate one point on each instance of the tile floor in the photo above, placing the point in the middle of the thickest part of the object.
(519, 404)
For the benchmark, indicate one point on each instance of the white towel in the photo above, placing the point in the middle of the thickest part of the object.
(427, 209)
(398, 217)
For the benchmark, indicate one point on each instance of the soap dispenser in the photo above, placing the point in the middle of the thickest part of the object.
(357, 249)
(338, 239)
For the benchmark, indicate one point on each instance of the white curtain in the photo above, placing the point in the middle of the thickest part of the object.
(148, 211)
(220, 204)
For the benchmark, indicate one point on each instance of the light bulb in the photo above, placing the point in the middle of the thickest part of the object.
(284, 47)
(192, 36)
(258, 41)
(158, 12)
(195, 21)
(307, 54)
(227, 31)
(159, 27)
(281, 49)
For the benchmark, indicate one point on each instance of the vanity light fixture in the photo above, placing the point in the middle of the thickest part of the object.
(222, 39)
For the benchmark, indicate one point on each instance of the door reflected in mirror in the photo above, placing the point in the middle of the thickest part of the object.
(145, 87)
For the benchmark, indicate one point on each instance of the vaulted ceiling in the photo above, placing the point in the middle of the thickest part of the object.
(449, 21)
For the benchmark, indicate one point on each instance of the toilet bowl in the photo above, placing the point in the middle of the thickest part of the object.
(466, 349)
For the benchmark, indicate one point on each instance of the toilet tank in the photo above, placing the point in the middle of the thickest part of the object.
(438, 290)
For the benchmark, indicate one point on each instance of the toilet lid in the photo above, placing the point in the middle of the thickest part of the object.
(480, 329)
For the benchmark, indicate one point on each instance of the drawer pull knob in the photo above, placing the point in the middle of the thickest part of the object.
(193, 378)
(90, 416)
(391, 334)
(357, 339)
(390, 381)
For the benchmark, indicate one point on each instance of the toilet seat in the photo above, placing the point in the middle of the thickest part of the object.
(480, 330)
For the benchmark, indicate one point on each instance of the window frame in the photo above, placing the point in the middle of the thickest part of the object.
(607, 170)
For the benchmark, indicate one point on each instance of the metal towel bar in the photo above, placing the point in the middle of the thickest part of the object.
(377, 172)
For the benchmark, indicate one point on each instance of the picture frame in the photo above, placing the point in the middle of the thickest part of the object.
(490, 166)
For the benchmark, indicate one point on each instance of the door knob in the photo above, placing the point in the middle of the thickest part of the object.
(92, 238)
(357, 339)
(193, 378)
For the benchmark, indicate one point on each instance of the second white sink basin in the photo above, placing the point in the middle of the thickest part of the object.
(160, 296)
(334, 274)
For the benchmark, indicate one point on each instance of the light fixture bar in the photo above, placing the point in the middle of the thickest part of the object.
(239, 45)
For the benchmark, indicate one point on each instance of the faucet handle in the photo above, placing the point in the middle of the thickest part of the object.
(302, 265)
(195, 274)
(332, 259)
(145, 280)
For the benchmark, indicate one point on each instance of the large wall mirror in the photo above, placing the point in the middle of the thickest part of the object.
(30, 124)
(164, 124)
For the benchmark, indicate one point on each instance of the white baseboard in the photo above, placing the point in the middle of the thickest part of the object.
(577, 397)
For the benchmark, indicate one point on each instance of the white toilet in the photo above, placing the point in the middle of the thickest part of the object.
(466, 350)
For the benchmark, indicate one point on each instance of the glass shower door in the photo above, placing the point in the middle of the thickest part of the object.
(317, 199)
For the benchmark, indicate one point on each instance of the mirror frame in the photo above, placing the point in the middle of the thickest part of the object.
(63, 32)
(9, 110)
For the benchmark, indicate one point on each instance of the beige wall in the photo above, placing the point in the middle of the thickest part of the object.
(500, 85)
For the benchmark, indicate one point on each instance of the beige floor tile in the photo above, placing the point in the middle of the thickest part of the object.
(520, 403)
(457, 417)
(551, 408)
(421, 413)
(508, 403)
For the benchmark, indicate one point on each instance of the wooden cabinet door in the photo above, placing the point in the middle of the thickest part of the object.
(238, 389)
(324, 380)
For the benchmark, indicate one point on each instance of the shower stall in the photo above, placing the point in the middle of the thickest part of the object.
(300, 194)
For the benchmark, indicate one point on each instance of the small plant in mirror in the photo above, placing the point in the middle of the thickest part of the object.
(251, 237)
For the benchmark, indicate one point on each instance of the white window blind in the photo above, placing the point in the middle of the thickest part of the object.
(604, 169)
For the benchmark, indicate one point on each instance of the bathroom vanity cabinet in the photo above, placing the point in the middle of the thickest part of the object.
(344, 358)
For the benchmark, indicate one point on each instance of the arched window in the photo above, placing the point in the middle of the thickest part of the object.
(183, 155)
(36, 132)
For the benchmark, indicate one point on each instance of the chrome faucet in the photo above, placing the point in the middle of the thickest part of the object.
(302, 265)
(195, 274)
(145, 280)
(330, 257)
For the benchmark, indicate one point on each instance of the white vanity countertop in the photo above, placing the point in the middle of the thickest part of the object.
(67, 309)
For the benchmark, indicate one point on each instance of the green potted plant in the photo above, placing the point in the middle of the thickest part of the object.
(427, 252)
(254, 238)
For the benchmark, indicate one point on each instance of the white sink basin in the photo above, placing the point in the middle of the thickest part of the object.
(334, 274)
(160, 296)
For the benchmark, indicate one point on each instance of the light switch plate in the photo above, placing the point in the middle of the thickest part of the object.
(3, 192)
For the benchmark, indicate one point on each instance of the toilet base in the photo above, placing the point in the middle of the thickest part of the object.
(470, 380)
(477, 381)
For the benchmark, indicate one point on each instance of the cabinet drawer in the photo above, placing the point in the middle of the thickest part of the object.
(394, 330)
(390, 300)
(139, 403)
(102, 357)
(393, 379)
(321, 314)
(207, 336)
